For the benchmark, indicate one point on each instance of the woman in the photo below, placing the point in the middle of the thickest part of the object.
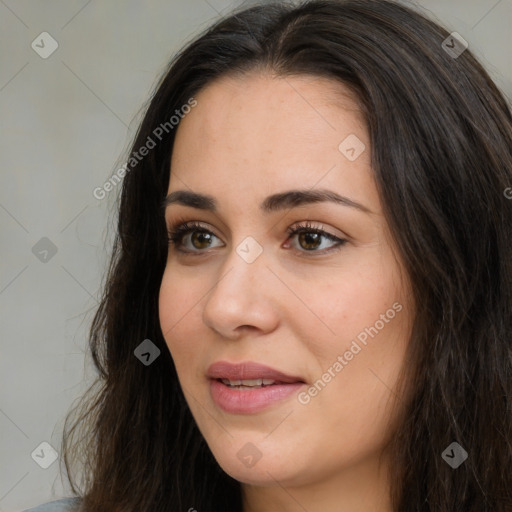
(310, 295)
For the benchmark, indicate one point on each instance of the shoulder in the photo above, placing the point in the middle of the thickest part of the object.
(62, 505)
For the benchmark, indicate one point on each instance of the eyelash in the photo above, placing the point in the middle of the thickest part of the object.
(176, 234)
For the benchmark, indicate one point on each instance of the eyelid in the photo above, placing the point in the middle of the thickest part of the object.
(197, 224)
(304, 224)
(309, 225)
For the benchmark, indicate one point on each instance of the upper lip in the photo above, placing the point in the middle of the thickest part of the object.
(248, 370)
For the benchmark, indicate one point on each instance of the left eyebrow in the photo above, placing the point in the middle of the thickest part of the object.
(273, 203)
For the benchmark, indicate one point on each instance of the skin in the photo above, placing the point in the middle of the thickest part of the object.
(293, 309)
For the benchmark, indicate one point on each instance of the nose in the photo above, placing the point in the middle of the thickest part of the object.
(243, 298)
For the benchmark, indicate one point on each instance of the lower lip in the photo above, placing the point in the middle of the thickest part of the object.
(247, 401)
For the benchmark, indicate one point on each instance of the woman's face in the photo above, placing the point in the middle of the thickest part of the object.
(331, 314)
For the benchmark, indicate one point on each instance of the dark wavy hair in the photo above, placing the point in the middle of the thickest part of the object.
(441, 153)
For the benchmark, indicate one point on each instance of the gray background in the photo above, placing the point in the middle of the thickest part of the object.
(66, 124)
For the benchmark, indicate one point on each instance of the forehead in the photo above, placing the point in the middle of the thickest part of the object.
(257, 99)
(261, 132)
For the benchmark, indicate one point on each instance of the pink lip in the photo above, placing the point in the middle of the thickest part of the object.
(247, 401)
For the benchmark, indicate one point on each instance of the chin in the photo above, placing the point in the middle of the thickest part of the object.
(261, 475)
(249, 465)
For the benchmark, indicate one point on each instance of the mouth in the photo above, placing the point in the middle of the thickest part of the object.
(250, 383)
(249, 387)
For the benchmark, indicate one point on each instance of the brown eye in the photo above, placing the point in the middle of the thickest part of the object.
(193, 238)
(200, 239)
(309, 240)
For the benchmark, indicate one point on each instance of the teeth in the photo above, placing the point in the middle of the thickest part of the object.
(249, 382)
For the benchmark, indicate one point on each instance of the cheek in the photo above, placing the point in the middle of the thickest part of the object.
(179, 314)
(352, 300)
(365, 333)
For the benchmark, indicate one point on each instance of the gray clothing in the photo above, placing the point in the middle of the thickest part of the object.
(62, 505)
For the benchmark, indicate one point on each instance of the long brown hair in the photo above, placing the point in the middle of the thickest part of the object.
(441, 150)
